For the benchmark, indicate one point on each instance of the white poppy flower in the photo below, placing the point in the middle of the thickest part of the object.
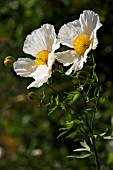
(81, 36)
(41, 44)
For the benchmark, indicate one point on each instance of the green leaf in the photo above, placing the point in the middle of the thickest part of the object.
(62, 106)
(51, 100)
(57, 100)
(108, 137)
(95, 76)
(84, 144)
(73, 134)
(104, 133)
(88, 110)
(63, 133)
(52, 110)
(80, 150)
(80, 156)
(70, 124)
(64, 128)
(73, 96)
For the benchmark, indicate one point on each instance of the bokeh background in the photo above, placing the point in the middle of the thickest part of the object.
(28, 136)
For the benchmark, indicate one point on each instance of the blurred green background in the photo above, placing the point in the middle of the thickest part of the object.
(28, 136)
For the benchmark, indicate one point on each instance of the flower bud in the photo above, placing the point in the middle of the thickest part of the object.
(90, 104)
(8, 62)
(82, 75)
(32, 96)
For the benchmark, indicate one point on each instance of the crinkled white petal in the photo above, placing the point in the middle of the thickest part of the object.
(86, 53)
(41, 39)
(55, 45)
(76, 66)
(38, 83)
(94, 39)
(41, 75)
(70, 57)
(79, 65)
(89, 21)
(51, 59)
(68, 32)
(24, 67)
(67, 57)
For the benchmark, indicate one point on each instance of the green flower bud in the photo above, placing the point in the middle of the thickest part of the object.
(8, 62)
(32, 96)
(82, 75)
(90, 104)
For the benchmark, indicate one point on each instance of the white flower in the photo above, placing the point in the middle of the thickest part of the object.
(41, 44)
(81, 36)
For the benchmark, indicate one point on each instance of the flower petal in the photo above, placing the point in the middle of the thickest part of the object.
(24, 67)
(41, 75)
(40, 39)
(94, 38)
(68, 32)
(51, 59)
(55, 45)
(67, 57)
(76, 66)
(38, 83)
(86, 53)
(89, 21)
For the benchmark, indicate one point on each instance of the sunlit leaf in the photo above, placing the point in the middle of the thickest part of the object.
(52, 110)
(63, 133)
(95, 76)
(108, 137)
(72, 96)
(84, 144)
(57, 100)
(62, 105)
(80, 156)
(104, 133)
(80, 150)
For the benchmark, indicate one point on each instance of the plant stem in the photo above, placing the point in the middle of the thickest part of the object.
(92, 138)
(95, 153)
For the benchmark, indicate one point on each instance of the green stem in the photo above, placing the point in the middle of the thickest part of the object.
(92, 138)
(95, 153)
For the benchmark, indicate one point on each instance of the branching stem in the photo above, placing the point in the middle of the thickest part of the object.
(95, 153)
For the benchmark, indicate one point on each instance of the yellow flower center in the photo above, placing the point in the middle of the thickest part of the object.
(81, 43)
(42, 58)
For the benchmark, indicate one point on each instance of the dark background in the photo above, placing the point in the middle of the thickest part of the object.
(24, 126)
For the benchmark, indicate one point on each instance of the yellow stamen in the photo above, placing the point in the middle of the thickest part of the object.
(42, 58)
(81, 43)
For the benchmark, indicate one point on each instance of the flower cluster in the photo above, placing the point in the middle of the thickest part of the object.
(80, 35)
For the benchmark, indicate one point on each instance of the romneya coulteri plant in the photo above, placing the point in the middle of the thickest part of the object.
(77, 65)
